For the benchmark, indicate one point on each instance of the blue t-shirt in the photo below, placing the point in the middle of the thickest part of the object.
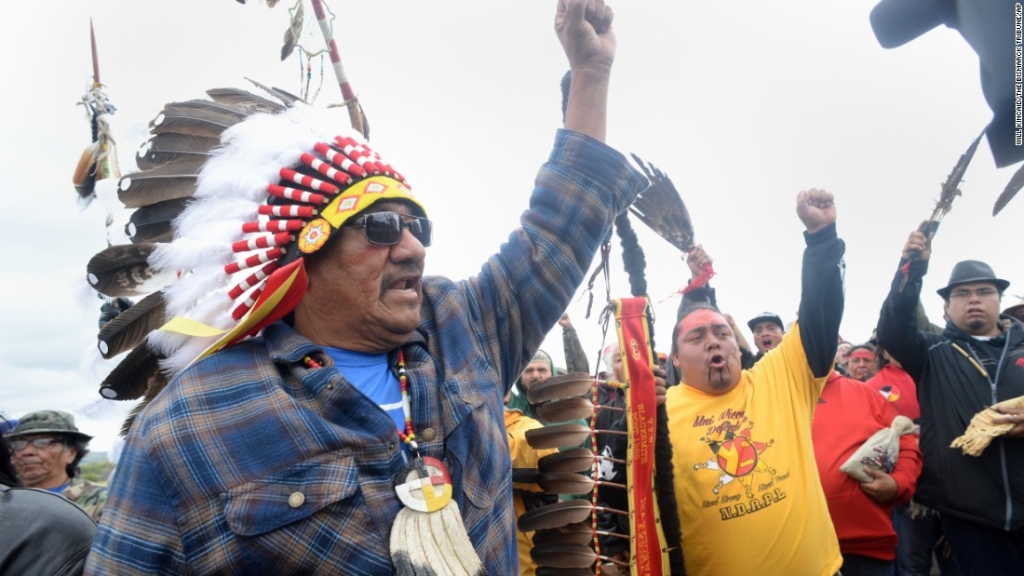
(59, 489)
(371, 375)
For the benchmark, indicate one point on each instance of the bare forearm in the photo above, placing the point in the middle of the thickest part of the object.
(587, 110)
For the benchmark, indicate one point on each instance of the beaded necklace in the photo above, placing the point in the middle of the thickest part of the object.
(407, 436)
(429, 519)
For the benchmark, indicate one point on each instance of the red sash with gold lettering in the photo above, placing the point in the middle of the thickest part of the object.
(649, 555)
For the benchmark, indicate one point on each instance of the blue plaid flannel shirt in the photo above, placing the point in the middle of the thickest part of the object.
(206, 482)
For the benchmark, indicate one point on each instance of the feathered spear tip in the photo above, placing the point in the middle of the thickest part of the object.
(661, 208)
(1012, 187)
(950, 191)
(950, 188)
(99, 160)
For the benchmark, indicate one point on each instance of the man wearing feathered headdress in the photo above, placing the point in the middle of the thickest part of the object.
(362, 433)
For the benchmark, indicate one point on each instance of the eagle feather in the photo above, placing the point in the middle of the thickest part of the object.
(121, 270)
(130, 328)
(172, 180)
(661, 208)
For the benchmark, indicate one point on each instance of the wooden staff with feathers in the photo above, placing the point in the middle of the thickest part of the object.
(99, 160)
(950, 191)
(324, 19)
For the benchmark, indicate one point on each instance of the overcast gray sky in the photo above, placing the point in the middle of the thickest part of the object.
(743, 103)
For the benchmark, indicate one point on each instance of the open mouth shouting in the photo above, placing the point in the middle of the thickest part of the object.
(409, 283)
(406, 286)
(719, 373)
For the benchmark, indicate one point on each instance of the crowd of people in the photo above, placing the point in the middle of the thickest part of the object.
(360, 432)
(829, 502)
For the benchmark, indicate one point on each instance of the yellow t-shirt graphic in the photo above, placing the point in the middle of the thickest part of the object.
(747, 487)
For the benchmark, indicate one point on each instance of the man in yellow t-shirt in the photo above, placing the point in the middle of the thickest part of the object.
(749, 497)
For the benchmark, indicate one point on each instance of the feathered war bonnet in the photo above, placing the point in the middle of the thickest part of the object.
(231, 195)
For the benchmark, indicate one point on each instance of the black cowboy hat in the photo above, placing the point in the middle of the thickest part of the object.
(972, 271)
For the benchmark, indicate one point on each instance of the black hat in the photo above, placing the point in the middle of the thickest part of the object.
(972, 271)
(765, 317)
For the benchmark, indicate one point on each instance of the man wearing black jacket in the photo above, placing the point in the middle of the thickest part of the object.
(40, 532)
(976, 362)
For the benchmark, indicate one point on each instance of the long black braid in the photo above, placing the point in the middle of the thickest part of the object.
(635, 263)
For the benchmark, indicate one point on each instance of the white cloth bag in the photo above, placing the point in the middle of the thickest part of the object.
(880, 451)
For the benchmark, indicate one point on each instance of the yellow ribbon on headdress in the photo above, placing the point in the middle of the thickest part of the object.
(344, 206)
(265, 305)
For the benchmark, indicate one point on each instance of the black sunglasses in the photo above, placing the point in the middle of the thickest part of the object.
(385, 228)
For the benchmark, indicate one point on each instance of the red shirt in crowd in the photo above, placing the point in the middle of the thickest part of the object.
(848, 413)
(898, 388)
